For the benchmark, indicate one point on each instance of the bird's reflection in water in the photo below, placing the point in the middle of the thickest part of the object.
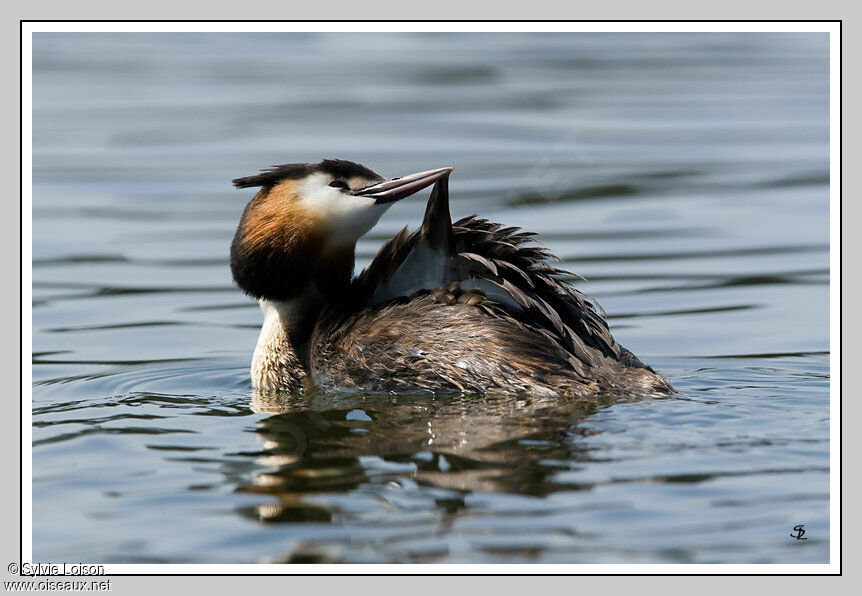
(319, 444)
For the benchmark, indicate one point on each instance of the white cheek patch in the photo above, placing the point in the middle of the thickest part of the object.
(348, 217)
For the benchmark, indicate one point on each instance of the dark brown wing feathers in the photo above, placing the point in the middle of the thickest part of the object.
(508, 259)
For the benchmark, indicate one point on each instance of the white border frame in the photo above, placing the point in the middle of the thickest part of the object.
(835, 172)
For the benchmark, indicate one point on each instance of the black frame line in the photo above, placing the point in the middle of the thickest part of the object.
(840, 22)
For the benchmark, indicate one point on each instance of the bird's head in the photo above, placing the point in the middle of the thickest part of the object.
(303, 224)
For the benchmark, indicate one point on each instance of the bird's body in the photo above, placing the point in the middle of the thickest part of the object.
(469, 307)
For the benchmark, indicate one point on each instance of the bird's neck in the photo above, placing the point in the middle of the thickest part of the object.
(280, 358)
(281, 355)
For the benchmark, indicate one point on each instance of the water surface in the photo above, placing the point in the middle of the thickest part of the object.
(684, 176)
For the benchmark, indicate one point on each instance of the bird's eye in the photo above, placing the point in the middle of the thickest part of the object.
(338, 184)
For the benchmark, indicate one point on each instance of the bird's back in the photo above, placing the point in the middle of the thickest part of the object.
(474, 307)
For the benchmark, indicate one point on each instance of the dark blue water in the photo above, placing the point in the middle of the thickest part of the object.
(685, 176)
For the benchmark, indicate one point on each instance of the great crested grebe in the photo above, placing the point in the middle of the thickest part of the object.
(467, 307)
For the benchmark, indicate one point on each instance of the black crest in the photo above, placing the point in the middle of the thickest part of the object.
(339, 168)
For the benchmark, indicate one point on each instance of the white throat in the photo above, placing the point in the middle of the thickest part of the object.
(276, 363)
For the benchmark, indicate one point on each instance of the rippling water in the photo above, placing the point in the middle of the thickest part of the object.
(685, 176)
